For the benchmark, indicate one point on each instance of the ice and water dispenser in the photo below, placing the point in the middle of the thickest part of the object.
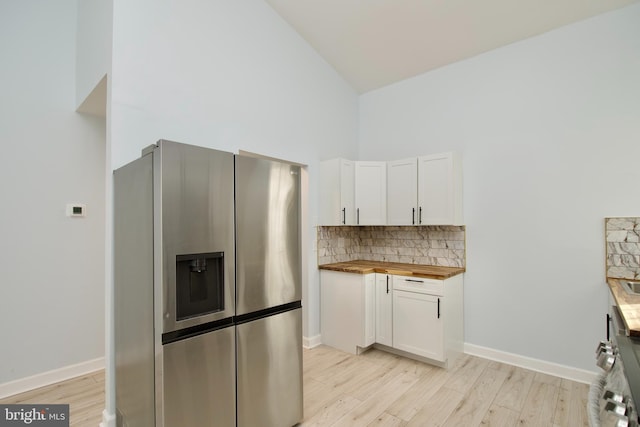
(199, 284)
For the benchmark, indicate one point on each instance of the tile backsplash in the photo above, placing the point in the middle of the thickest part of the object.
(623, 247)
(429, 245)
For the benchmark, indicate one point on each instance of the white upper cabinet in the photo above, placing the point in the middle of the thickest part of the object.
(371, 193)
(440, 189)
(424, 190)
(337, 192)
(402, 192)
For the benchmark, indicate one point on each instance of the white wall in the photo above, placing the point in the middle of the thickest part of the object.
(229, 75)
(52, 266)
(93, 45)
(549, 131)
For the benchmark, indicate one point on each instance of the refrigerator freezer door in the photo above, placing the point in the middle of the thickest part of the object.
(196, 217)
(199, 380)
(267, 234)
(270, 371)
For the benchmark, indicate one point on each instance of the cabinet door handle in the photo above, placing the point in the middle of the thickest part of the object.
(413, 216)
(414, 280)
(344, 215)
(438, 308)
(608, 323)
(420, 215)
(358, 216)
(387, 284)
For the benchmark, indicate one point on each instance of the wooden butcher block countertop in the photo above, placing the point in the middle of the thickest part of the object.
(417, 270)
(628, 304)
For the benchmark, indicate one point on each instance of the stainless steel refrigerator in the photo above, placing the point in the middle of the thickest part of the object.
(207, 276)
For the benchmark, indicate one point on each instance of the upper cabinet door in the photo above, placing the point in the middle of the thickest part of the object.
(440, 189)
(337, 192)
(371, 193)
(423, 190)
(402, 192)
(348, 192)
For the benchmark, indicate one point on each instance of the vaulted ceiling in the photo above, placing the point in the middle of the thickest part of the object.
(374, 43)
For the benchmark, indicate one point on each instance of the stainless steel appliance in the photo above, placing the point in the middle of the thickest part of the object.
(207, 290)
(614, 395)
(268, 310)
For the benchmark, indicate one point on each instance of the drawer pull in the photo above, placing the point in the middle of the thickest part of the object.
(414, 280)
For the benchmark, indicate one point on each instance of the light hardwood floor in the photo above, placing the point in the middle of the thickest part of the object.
(85, 396)
(380, 389)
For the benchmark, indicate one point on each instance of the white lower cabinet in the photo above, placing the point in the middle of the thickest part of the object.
(384, 309)
(417, 324)
(347, 310)
(428, 317)
(369, 327)
(403, 314)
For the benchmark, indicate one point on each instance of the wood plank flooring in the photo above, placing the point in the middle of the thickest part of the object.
(381, 389)
(384, 390)
(85, 396)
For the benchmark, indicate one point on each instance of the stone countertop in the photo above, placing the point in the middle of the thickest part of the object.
(628, 304)
(400, 269)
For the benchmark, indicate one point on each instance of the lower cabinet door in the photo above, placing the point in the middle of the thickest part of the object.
(417, 324)
(369, 326)
(384, 304)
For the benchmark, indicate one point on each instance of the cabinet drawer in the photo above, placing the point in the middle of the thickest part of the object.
(419, 285)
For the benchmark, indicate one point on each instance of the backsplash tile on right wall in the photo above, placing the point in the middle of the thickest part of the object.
(622, 236)
(427, 245)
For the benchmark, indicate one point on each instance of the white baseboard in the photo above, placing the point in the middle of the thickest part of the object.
(310, 342)
(108, 420)
(562, 371)
(45, 378)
